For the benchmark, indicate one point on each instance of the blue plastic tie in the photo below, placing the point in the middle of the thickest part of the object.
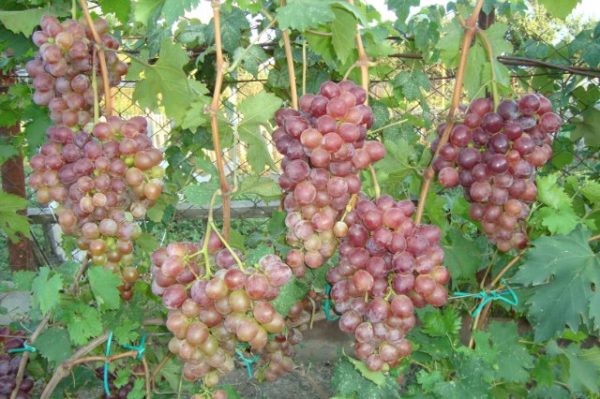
(107, 354)
(139, 348)
(508, 296)
(329, 315)
(25, 348)
(247, 362)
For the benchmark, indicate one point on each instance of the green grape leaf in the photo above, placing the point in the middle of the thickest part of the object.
(343, 33)
(591, 191)
(542, 373)
(104, 285)
(122, 377)
(197, 114)
(551, 193)
(138, 391)
(463, 257)
(23, 280)
(11, 222)
(121, 8)
(470, 380)
(304, 14)
(376, 377)
(558, 221)
(38, 122)
(584, 373)
(401, 8)
(477, 62)
(496, 36)
(22, 21)
(293, 291)
(251, 58)
(83, 322)
(563, 271)
(46, 290)
(560, 9)
(500, 347)
(441, 323)
(200, 194)
(166, 84)
(170, 10)
(348, 382)
(412, 84)
(54, 345)
(588, 127)
(263, 186)
(257, 110)
(449, 44)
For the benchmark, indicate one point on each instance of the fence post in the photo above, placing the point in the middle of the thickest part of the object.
(20, 254)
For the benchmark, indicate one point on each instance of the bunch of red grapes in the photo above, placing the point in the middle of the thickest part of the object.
(102, 182)
(63, 67)
(211, 315)
(103, 175)
(493, 155)
(388, 265)
(324, 150)
(9, 366)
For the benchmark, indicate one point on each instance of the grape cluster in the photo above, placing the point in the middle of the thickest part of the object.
(63, 67)
(10, 365)
(210, 315)
(102, 182)
(493, 155)
(388, 265)
(324, 147)
(276, 356)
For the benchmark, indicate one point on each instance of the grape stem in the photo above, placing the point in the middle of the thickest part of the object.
(396, 123)
(214, 124)
(490, 52)
(469, 32)
(159, 367)
(101, 56)
(224, 241)
(95, 88)
(290, 64)
(362, 62)
(304, 67)
(350, 206)
(375, 181)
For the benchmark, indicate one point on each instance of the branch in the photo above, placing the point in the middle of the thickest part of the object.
(290, 64)
(363, 61)
(469, 32)
(63, 370)
(214, 123)
(101, 56)
(38, 330)
(25, 357)
(490, 53)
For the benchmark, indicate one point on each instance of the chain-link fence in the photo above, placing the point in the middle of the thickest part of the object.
(47, 234)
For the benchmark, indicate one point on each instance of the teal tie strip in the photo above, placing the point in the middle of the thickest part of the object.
(25, 348)
(507, 296)
(248, 362)
(107, 354)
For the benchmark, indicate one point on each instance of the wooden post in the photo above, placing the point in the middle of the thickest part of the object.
(20, 254)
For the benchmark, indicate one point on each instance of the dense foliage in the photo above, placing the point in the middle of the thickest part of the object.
(525, 221)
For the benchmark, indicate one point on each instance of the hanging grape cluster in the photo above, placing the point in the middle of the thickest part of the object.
(212, 315)
(102, 175)
(493, 155)
(63, 67)
(324, 147)
(388, 266)
(9, 365)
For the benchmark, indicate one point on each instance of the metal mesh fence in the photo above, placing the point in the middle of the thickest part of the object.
(437, 97)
